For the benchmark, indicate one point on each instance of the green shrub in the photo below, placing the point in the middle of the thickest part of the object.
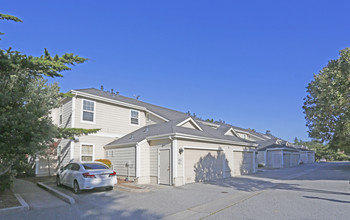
(6, 180)
(260, 165)
(23, 169)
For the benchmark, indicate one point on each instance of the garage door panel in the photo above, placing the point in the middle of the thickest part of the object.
(203, 165)
(286, 160)
(243, 163)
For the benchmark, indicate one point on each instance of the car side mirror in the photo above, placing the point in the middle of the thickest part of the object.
(61, 169)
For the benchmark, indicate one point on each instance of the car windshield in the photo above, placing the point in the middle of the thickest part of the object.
(94, 166)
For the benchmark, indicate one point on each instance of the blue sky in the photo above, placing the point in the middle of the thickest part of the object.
(244, 62)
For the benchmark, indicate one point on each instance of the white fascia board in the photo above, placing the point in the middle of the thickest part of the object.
(284, 149)
(244, 150)
(160, 137)
(190, 119)
(237, 130)
(108, 100)
(257, 137)
(192, 137)
(232, 130)
(203, 148)
(119, 145)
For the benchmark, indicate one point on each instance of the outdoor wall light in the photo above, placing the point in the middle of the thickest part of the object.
(181, 150)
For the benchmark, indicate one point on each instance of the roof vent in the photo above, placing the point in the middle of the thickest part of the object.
(102, 87)
(268, 132)
(117, 93)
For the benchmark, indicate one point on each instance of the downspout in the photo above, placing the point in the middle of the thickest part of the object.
(174, 159)
(138, 160)
(254, 158)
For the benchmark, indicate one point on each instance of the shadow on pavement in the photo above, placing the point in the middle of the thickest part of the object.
(331, 200)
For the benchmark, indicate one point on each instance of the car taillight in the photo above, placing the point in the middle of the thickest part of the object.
(88, 175)
(113, 174)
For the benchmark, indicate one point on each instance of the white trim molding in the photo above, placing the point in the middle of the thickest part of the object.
(82, 112)
(191, 121)
(93, 150)
(138, 117)
(73, 111)
(138, 160)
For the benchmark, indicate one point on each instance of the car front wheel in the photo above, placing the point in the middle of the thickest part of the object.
(76, 187)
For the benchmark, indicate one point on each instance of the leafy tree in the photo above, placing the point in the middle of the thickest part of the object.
(321, 150)
(327, 104)
(26, 99)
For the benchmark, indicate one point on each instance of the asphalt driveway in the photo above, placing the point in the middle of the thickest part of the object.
(314, 191)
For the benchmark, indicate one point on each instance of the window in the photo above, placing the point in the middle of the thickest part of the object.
(94, 166)
(134, 120)
(75, 167)
(68, 167)
(88, 110)
(87, 152)
(60, 113)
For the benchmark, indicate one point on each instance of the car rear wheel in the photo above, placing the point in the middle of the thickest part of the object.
(58, 181)
(76, 187)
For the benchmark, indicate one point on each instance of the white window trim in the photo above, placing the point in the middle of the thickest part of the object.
(60, 113)
(93, 151)
(82, 110)
(138, 117)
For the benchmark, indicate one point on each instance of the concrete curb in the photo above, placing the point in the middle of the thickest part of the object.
(57, 193)
(129, 189)
(24, 206)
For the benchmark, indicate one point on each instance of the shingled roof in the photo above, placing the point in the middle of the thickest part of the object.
(172, 128)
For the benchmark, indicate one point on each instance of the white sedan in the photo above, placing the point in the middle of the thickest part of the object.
(86, 175)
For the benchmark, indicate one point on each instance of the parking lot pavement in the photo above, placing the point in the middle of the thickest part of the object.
(272, 194)
(36, 197)
(323, 193)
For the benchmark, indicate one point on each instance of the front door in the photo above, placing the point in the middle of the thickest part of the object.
(164, 166)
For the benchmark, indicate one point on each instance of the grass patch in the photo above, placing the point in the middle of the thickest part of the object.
(8, 199)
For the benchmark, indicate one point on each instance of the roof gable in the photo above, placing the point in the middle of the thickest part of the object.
(189, 123)
(231, 132)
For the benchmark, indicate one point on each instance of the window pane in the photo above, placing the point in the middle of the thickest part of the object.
(86, 158)
(75, 167)
(94, 166)
(88, 116)
(87, 105)
(134, 121)
(134, 114)
(86, 149)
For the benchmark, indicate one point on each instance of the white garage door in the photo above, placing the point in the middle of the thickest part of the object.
(274, 159)
(203, 165)
(295, 160)
(242, 163)
(286, 160)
